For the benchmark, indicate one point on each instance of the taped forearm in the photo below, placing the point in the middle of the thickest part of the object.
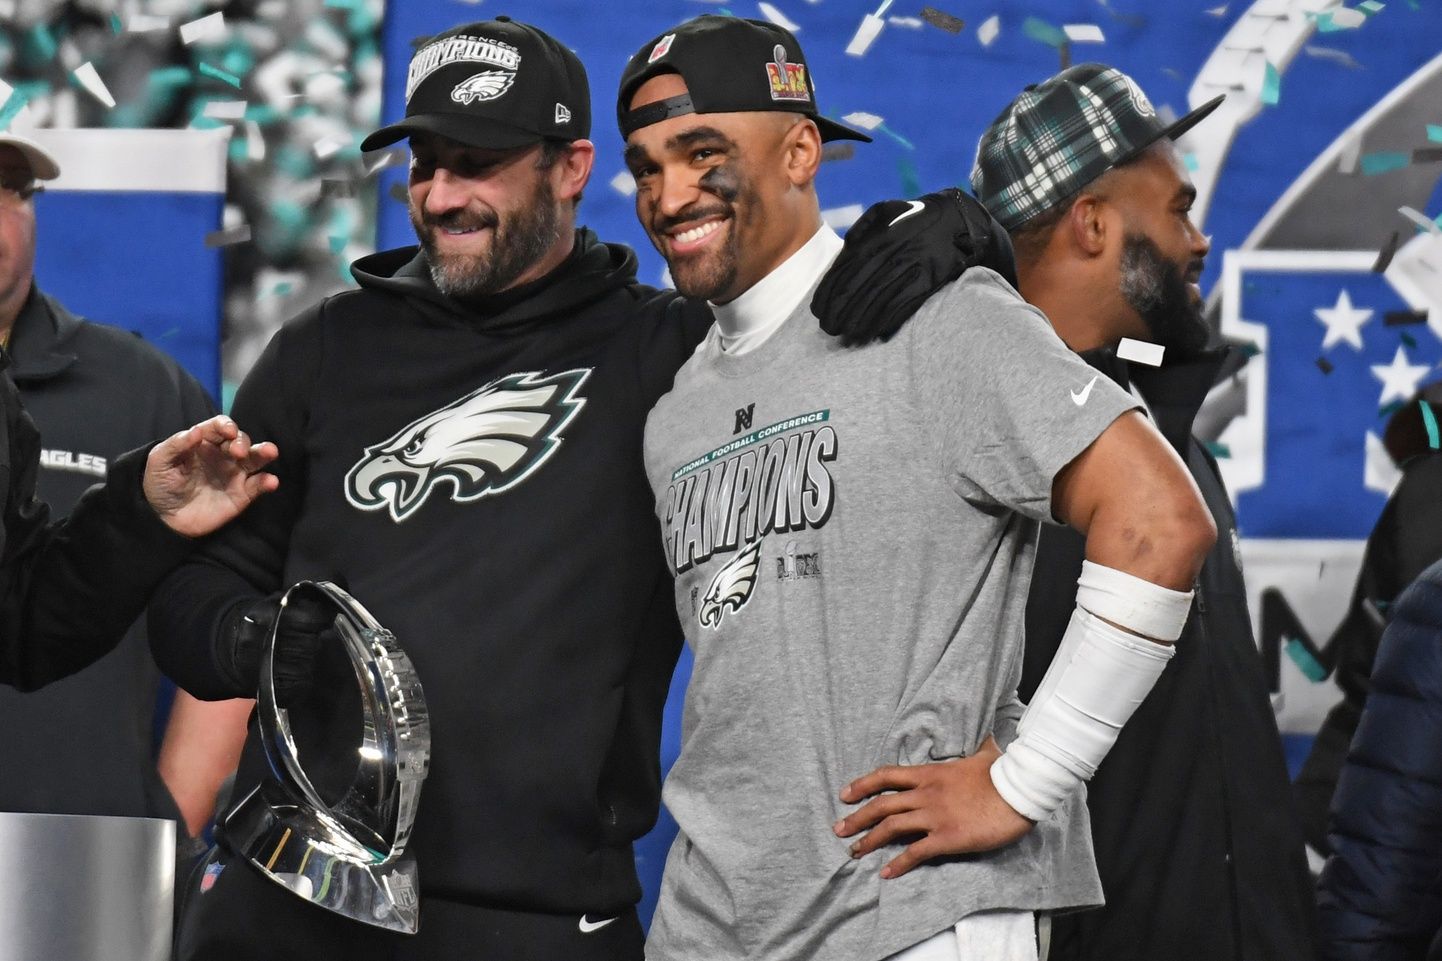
(1110, 657)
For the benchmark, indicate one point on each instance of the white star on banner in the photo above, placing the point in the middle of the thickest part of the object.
(1343, 322)
(1399, 378)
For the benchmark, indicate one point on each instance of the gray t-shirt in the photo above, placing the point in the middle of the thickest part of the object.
(852, 535)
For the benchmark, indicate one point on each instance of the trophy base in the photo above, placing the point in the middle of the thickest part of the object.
(280, 837)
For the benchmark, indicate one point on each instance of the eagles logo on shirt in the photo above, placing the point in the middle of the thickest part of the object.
(485, 443)
(732, 586)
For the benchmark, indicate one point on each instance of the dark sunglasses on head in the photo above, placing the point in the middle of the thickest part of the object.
(19, 184)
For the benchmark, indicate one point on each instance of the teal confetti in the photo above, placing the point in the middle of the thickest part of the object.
(164, 77)
(910, 180)
(40, 43)
(1310, 667)
(1429, 420)
(341, 4)
(218, 74)
(896, 136)
(1219, 450)
(1390, 409)
(115, 24)
(1324, 23)
(1409, 340)
(282, 288)
(1043, 32)
(1383, 161)
(1272, 86)
(227, 394)
(337, 243)
(13, 105)
(262, 113)
(1434, 132)
(1249, 349)
(1370, 7)
(1191, 162)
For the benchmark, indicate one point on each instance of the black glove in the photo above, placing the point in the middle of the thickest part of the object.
(243, 632)
(900, 253)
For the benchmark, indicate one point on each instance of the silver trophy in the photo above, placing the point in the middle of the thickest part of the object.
(347, 853)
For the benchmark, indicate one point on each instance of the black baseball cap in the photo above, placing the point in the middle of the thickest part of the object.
(496, 83)
(1059, 135)
(730, 65)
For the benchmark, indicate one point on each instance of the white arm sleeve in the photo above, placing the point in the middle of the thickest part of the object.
(1099, 676)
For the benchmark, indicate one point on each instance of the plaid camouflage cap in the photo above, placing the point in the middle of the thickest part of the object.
(1060, 135)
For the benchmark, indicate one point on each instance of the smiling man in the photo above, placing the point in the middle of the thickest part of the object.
(462, 450)
(850, 534)
(1198, 846)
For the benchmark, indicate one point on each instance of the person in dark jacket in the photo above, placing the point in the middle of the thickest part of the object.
(1380, 894)
(1197, 844)
(461, 445)
(1405, 541)
(68, 591)
(96, 391)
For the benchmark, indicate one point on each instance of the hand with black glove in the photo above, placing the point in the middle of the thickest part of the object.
(245, 628)
(900, 253)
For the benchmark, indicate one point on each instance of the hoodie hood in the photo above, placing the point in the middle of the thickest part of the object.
(593, 270)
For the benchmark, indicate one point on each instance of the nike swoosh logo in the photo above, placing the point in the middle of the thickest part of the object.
(588, 927)
(916, 207)
(1080, 397)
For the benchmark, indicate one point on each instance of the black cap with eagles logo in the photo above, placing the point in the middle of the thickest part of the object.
(496, 83)
(730, 65)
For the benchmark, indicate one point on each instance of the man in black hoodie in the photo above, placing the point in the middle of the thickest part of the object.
(461, 445)
(1197, 843)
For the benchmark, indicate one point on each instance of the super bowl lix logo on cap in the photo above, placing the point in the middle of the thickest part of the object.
(467, 49)
(788, 80)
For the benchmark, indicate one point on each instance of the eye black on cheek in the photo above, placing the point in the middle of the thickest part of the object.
(723, 180)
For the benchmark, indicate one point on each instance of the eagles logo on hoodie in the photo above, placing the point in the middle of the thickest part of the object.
(485, 443)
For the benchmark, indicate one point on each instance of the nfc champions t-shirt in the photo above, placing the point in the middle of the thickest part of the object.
(851, 532)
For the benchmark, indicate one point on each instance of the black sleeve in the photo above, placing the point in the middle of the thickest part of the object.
(245, 560)
(72, 589)
(672, 328)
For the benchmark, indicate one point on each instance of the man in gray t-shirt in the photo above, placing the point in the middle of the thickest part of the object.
(851, 534)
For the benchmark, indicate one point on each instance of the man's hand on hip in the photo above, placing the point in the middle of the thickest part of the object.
(950, 807)
(204, 477)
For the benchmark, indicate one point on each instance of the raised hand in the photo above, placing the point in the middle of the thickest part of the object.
(950, 807)
(204, 477)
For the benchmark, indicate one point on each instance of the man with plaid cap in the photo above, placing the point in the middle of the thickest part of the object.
(851, 535)
(1199, 849)
(462, 441)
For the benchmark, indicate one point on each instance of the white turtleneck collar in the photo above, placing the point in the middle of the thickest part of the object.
(748, 321)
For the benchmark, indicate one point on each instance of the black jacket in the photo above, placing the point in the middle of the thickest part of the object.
(68, 591)
(1197, 843)
(523, 576)
(95, 391)
(1406, 540)
(1380, 895)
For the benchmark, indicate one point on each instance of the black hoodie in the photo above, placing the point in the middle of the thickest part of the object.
(472, 474)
